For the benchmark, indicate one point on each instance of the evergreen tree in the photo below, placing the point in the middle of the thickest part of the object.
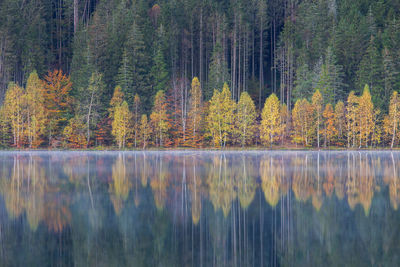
(371, 72)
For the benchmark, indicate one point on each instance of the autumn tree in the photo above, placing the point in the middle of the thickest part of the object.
(116, 100)
(57, 101)
(121, 124)
(329, 124)
(317, 103)
(159, 118)
(195, 115)
(14, 112)
(136, 118)
(351, 118)
(365, 117)
(74, 133)
(393, 118)
(144, 131)
(220, 116)
(245, 119)
(270, 120)
(36, 114)
(340, 121)
(302, 119)
(91, 99)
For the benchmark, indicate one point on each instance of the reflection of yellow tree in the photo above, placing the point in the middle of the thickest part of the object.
(57, 213)
(75, 168)
(360, 182)
(196, 187)
(221, 184)
(120, 184)
(23, 189)
(391, 177)
(159, 183)
(301, 184)
(271, 172)
(246, 183)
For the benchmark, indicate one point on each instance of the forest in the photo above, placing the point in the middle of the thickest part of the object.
(199, 74)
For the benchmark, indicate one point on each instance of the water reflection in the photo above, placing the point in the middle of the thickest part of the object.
(199, 208)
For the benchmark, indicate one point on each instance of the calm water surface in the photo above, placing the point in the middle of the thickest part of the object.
(199, 209)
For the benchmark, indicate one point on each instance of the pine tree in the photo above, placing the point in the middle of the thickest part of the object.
(159, 71)
(371, 73)
(245, 122)
(270, 120)
(218, 70)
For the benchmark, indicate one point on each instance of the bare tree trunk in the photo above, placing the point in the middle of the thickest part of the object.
(76, 15)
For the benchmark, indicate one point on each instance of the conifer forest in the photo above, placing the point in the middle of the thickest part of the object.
(142, 74)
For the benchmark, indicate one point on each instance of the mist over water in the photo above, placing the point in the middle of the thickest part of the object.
(195, 208)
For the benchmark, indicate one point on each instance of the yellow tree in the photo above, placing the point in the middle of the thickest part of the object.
(329, 123)
(285, 119)
(270, 120)
(317, 106)
(220, 116)
(74, 133)
(366, 115)
(136, 118)
(245, 119)
(195, 113)
(14, 102)
(121, 124)
(393, 119)
(340, 121)
(159, 118)
(36, 115)
(351, 118)
(116, 100)
(144, 131)
(302, 117)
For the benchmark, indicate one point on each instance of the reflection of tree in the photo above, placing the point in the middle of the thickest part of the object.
(271, 172)
(159, 182)
(196, 187)
(23, 189)
(360, 181)
(391, 177)
(120, 185)
(246, 183)
(221, 184)
(57, 213)
(301, 179)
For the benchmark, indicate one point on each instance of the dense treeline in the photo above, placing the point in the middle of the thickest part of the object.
(39, 115)
(290, 48)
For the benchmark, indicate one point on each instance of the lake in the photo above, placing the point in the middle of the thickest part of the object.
(196, 208)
